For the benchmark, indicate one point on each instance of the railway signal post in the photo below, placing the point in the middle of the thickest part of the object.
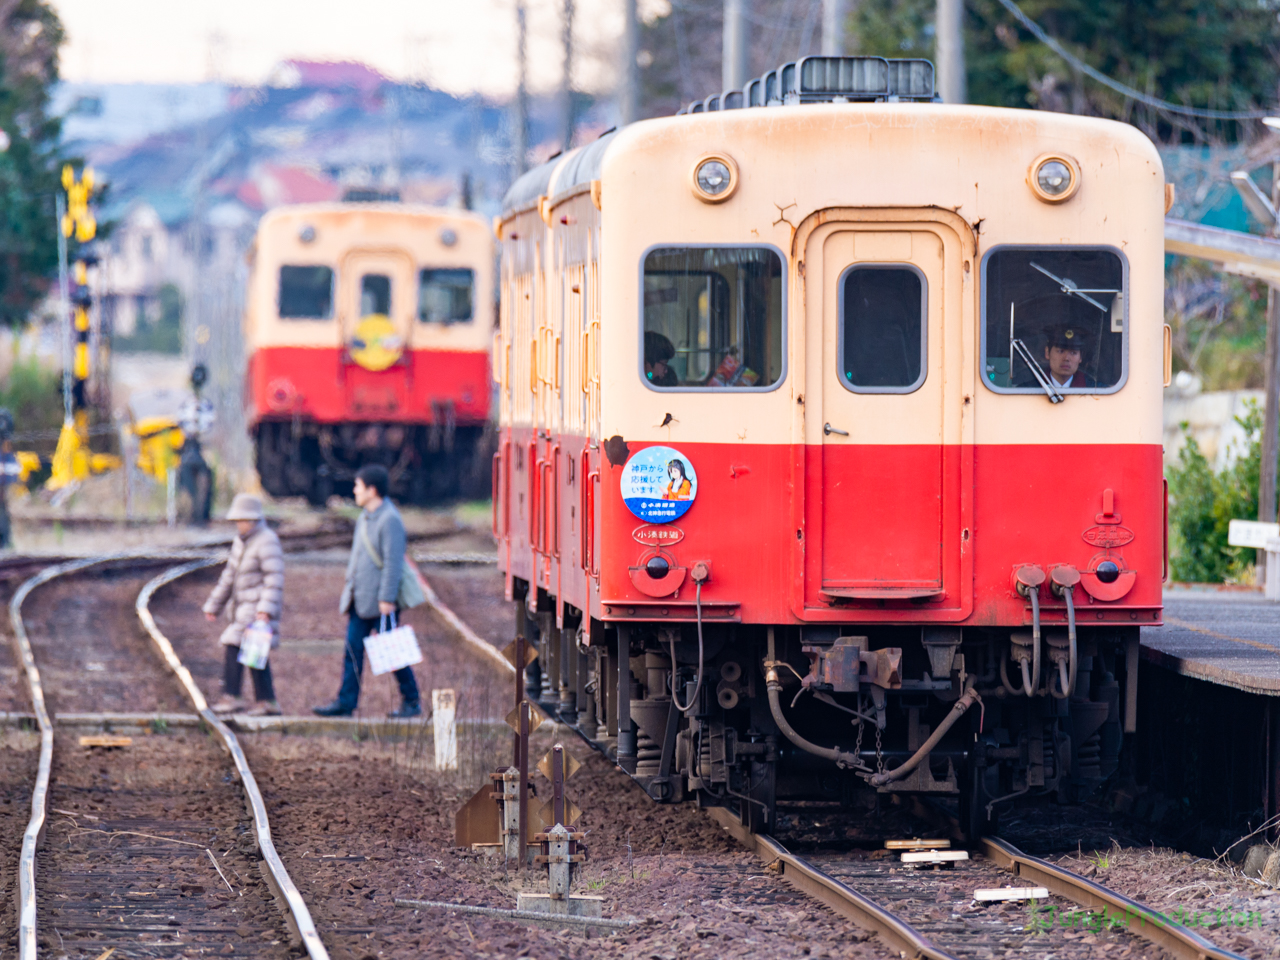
(72, 461)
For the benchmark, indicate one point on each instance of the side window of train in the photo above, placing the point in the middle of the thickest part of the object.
(1054, 320)
(306, 293)
(444, 296)
(883, 328)
(713, 318)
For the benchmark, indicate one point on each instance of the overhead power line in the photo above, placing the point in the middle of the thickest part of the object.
(1120, 88)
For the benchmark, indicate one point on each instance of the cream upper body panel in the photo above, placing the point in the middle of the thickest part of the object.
(412, 235)
(796, 164)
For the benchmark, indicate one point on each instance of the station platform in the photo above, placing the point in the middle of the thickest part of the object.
(1226, 636)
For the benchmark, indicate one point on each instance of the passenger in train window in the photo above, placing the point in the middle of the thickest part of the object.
(658, 351)
(713, 318)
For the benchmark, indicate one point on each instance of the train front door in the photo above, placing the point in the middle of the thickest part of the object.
(886, 507)
(376, 301)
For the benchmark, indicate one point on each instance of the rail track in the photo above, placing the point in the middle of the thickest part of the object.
(904, 906)
(141, 848)
(901, 905)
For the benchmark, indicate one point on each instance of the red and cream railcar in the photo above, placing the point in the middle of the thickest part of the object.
(368, 328)
(822, 421)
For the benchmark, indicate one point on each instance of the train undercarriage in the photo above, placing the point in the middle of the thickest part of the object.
(761, 714)
(428, 463)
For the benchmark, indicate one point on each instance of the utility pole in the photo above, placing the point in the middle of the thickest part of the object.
(629, 95)
(834, 14)
(566, 80)
(734, 64)
(520, 135)
(1265, 209)
(949, 33)
(1271, 414)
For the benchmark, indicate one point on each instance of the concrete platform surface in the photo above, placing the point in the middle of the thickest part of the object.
(1230, 637)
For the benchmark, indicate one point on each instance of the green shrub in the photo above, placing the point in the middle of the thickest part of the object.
(33, 394)
(1203, 503)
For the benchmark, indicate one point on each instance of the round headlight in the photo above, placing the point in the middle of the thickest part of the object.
(1054, 178)
(448, 237)
(657, 567)
(1108, 571)
(307, 233)
(715, 178)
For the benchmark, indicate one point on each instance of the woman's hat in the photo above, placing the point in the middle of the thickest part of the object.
(245, 507)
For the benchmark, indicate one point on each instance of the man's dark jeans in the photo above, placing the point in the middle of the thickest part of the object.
(353, 666)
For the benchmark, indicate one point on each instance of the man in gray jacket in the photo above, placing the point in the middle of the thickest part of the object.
(369, 594)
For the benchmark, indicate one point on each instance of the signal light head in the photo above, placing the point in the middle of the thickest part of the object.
(1108, 571)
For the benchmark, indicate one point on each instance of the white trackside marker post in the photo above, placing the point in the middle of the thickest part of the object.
(445, 728)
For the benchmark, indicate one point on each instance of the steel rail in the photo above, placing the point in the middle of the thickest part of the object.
(277, 877)
(456, 623)
(1141, 920)
(27, 939)
(901, 937)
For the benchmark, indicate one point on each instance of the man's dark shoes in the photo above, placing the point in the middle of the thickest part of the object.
(406, 711)
(334, 709)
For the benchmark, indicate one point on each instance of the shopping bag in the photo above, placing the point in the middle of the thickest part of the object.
(255, 645)
(392, 647)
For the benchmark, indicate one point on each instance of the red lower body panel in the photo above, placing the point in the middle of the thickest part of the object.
(316, 383)
(901, 534)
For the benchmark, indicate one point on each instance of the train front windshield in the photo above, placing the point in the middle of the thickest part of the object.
(1054, 315)
(713, 318)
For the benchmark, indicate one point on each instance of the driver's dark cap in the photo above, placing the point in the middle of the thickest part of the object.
(1066, 337)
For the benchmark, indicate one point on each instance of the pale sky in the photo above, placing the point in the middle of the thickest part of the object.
(456, 45)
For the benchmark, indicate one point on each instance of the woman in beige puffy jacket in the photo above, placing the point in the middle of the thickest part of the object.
(251, 588)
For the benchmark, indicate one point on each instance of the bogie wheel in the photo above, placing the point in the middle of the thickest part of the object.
(754, 817)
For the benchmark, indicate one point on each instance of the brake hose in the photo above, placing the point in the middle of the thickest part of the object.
(697, 686)
(1067, 675)
(1034, 595)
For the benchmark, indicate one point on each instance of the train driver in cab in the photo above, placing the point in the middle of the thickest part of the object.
(658, 351)
(1064, 348)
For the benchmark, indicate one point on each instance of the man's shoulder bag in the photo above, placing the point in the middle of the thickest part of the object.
(410, 594)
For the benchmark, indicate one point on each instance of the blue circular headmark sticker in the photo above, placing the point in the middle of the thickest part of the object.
(659, 484)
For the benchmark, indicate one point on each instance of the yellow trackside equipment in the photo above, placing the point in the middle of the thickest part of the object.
(159, 440)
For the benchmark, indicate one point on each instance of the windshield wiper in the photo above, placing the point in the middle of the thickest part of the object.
(1071, 289)
(1037, 371)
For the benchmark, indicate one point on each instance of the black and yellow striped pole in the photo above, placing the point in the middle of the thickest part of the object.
(71, 459)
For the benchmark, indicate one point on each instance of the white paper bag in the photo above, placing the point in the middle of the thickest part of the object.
(392, 647)
(255, 645)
